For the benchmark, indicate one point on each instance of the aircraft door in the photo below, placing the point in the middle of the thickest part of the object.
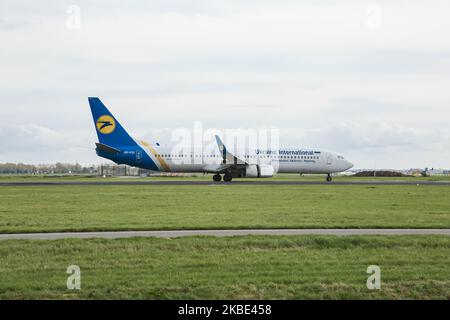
(138, 156)
(329, 160)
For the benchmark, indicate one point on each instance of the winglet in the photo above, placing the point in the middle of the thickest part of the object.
(222, 148)
(227, 156)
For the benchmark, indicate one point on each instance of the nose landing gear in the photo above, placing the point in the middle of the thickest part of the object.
(329, 177)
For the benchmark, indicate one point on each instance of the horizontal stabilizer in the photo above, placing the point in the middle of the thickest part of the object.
(106, 148)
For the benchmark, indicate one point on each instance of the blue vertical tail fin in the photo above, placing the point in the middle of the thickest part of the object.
(109, 130)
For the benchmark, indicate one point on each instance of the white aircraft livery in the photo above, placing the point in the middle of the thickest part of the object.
(117, 145)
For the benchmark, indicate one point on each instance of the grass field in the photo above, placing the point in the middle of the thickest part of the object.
(248, 267)
(288, 267)
(278, 177)
(77, 208)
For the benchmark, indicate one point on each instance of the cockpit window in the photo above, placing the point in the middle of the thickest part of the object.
(340, 157)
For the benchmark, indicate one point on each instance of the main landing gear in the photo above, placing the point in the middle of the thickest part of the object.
(329, 178)
(226, 177)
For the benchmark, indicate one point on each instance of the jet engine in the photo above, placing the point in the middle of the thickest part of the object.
(259, 171)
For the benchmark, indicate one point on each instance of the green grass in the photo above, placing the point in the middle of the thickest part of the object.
(78, 208)
(250, 267)
(201, 177)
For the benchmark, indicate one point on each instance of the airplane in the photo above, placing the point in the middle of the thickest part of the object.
(117, 145)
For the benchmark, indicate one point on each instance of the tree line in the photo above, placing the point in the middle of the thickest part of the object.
(57, 168)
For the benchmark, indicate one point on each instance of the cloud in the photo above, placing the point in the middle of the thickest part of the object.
(387, 144)
(32, 137)
(16, 24)
(315, 68)
(35, 144)
(363, 136)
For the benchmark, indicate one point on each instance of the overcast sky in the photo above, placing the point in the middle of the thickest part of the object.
(368, 79)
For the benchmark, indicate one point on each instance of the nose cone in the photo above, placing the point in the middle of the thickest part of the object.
(348, 165)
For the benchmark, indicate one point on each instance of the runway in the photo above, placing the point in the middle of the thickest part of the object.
(236, 182)
(220, 233)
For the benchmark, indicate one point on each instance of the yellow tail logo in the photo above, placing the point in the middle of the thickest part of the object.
(106, 124)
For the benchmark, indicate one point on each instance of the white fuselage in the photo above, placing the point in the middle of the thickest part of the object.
(283, 160)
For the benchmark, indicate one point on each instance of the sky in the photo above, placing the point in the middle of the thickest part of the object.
(368, 79)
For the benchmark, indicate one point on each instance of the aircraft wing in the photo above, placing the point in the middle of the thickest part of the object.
(217, 168)
(228, 157)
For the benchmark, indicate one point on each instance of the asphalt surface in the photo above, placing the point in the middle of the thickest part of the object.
(221, 233)
(211, 183)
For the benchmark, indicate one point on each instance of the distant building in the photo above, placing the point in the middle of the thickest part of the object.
(427, 172)
(438, 172)
(114, 170)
